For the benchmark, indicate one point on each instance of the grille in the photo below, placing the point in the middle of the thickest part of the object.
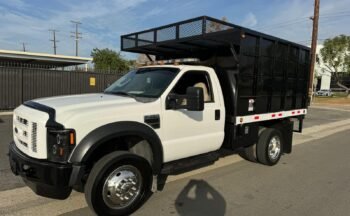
(23, 143)
(22, 120)
(34, 135)
(25, 133)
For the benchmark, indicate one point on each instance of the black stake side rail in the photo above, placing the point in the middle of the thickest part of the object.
(183, 31)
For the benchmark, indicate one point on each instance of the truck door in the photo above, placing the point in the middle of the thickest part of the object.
(188, 133)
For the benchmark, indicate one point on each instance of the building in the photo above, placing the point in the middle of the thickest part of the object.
(323, 76)
(11, 57)
(25, 76)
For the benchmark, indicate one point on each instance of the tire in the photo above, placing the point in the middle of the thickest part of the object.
(272, 138)
(131, 177)
(249, 153)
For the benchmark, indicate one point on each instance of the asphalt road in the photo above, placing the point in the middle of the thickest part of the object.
(317, 116)
(313, 180)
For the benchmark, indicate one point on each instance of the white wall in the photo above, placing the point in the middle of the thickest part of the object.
(320, 71)
(326, 81)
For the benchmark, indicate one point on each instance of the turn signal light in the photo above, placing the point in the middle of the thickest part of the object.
(71, 138)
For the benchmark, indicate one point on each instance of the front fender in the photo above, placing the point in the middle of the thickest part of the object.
(99, 136)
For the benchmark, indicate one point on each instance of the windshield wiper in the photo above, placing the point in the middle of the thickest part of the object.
(121, 93)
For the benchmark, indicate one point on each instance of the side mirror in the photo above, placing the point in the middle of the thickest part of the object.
(195, 99)
(192, 101)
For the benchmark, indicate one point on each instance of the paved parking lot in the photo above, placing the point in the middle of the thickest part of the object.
(313, 180)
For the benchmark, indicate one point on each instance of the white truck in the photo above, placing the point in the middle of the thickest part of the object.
(158, 120)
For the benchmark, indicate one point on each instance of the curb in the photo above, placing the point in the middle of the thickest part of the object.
(6, 113)
(330, 108)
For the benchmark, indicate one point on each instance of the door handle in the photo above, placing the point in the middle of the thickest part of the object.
(217, 115)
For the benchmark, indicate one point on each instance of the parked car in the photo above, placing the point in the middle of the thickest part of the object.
(324, 92)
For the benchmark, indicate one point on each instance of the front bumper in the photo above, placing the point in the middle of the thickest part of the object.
(43, 177)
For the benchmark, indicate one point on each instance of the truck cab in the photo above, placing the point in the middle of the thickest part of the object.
(170, 117)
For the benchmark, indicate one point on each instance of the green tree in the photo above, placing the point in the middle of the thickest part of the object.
(215, 26)
(109, 60)
(336, 58)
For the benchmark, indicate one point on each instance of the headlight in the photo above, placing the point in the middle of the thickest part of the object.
(60, 144)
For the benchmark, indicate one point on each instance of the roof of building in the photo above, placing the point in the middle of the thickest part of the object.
(41, 58)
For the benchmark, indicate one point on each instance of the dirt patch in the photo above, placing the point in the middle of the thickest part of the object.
(332, 101)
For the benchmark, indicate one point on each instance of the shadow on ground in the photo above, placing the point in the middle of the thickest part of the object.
(199, 198)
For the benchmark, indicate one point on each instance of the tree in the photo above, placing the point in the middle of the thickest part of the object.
(142, 59)
(336, 58)
(215, 26)
(109, 60)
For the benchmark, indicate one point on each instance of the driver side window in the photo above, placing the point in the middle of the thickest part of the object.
(194, 79)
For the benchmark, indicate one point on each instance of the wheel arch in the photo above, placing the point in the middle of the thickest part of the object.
(100, 136)
(285, 126)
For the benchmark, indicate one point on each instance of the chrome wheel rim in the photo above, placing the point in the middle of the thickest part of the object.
(122, 187)
(274, 148)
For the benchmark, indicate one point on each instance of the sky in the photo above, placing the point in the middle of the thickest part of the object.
(104, 21)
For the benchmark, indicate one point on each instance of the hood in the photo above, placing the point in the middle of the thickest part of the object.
(87, 112)
(85, 102)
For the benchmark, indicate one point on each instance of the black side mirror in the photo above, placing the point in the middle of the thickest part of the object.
(172, 102)
(192, 101)
(195, 99)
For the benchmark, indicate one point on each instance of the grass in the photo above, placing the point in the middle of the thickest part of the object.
(339, 94)
(337, 99)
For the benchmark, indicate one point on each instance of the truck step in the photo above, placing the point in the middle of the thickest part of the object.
(188, 164)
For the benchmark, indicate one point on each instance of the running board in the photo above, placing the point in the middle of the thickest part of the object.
(191, 163)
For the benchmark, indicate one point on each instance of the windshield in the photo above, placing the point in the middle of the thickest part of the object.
(144, 82)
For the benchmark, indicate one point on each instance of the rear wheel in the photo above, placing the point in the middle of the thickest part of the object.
(118, 184)
(270, 146)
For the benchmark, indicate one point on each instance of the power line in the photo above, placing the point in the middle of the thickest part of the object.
(77, 36)
(335, 12)
(288, 22)
(304, 19)
(54, 40)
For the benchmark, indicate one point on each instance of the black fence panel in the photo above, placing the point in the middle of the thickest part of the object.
(38, 83)
(10, 88)
(344, 79)
(21, 84)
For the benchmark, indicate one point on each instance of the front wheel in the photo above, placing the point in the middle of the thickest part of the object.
(118, 184)
(270, 146)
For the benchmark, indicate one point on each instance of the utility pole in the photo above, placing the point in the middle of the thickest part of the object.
(76, 35)
(24, 46)
(315, 19)
(54, 40)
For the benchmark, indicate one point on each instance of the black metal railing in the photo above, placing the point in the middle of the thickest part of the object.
(185, 29)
